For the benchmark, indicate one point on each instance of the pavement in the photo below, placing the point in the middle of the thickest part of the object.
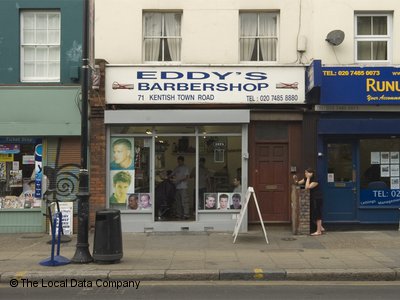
(336, 255)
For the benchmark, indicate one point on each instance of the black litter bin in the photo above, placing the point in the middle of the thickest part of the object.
(107, 246)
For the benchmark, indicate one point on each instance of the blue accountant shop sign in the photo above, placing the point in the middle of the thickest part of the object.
(343, 85)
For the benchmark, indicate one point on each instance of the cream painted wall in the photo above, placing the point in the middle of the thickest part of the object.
(327, 15)
(210, 28)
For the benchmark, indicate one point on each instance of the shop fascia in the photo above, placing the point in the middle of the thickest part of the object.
(204, 85)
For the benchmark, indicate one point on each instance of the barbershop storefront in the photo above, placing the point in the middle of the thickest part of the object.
(359, 144)
(211, 118)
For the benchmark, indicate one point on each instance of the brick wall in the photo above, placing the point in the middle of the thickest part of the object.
(304, 212)
(300, 210)
(97, 148)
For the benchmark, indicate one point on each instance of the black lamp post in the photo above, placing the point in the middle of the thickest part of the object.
(82, 254)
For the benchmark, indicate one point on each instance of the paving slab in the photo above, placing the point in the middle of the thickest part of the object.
(336, 255)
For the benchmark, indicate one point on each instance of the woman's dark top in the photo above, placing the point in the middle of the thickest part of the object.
(315, 202)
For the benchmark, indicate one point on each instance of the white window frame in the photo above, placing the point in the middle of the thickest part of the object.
(36, 45)
(161, 38)
(276, 13)
(371, 38)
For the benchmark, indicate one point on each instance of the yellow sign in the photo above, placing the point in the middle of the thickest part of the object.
(7, 157)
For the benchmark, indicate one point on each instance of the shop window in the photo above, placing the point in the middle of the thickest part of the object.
(223, 154)
(210, 177)
(258, 36)
(379, 163)
(129, 174)
(40, 46)
(21, 173)
(162, 36)
(379, 172)
(373, 37)
(220, 173)
(147, 180)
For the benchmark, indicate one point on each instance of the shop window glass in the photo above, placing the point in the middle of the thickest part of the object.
(175, 158)
(135, 170)
(379, 163)
(220, 173)
(130, 173)
(21, 173)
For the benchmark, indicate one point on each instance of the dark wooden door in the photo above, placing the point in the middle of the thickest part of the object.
(271, 183)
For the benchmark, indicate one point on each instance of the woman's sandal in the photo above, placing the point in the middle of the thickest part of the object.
(316, 233)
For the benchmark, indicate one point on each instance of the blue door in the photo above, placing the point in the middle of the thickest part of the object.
(340, 182)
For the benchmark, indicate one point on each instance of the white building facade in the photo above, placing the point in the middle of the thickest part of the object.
(221, 84)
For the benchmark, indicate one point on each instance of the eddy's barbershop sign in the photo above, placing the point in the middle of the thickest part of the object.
(204, 85)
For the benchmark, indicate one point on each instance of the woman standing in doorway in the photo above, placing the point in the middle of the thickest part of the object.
(311, 184)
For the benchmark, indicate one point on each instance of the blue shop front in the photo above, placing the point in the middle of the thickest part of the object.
(358, 143)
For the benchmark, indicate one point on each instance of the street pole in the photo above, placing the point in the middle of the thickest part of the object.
(82, 254)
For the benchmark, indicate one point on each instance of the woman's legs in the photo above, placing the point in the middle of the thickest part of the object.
(319, 226)
(318, 217)
(320, 229)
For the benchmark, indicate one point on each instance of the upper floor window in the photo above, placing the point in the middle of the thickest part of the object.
(373, 37)
(40, 46)
(162, 36)
(258, 36)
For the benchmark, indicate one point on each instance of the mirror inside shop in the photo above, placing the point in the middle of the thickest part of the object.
(173, 172)
(20, 185)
